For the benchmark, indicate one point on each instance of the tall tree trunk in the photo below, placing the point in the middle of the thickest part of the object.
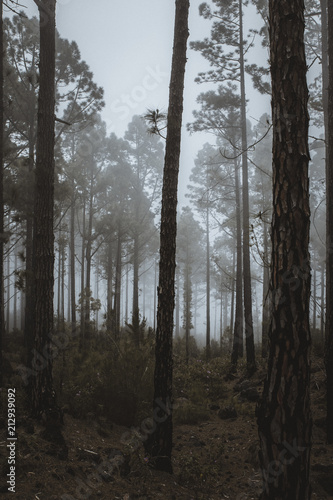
(43, 398)
(207, 284)
(117, 292)
(155, 297)
(2, 126)
(58, 281)
(265, 298)
(232, 307)
(83, 249)
(126, 297)
(314, 317)
(221, 315)
(284, 417)
(8, 294)
(322, 303)
(15, 292)
(72, 261)
(249, 338)
(237, 347)
(159, 443)
(329, 238)
(177, 329)
(29, 285)
(324, 64)
(135, 309)
(63, 258)
(97, 292)
(187, 301)
(88, 291)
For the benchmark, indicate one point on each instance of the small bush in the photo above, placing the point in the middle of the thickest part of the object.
(114, 380)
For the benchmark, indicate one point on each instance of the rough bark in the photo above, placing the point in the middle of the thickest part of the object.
(284, 417)
(43, 397)
(159, 444)
(2, 329)
(329, 238)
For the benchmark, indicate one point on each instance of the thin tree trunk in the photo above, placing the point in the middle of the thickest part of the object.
(187, 301)
(109, 277)
(221, 315)
(97, 290)
(29, 285)
(237, 348)
(207, 284)
(62, 313)
(89, 257)
(159, 443)
(249, 339)
(155, 297)
(72, 262)
(15, 292)
(117, 293)
(82, 308)
(232, 307)
(324, 65)
(329, 238)
(177, 332)
(8, 294)
(195, 308)
(322, 304)
(126, 298)
(135, 309)
(265, 299)
(284, 417)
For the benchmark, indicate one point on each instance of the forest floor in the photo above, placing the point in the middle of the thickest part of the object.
(214, 459)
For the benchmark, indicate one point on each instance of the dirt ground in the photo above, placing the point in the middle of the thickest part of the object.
(213, 460)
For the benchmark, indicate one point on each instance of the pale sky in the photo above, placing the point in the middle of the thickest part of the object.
(128, 46)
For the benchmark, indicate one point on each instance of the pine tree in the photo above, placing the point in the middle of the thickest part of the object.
(159, 444)
(329, 238)
(284, 418)
(229, 67)
(43, 396)
(2, 321)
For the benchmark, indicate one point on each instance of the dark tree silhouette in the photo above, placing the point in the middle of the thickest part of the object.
(284, 417)
(43, 238)
(1, 188)
(329, 237)
(159, 444)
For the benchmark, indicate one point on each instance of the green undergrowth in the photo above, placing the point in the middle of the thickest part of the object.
(107, 378)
